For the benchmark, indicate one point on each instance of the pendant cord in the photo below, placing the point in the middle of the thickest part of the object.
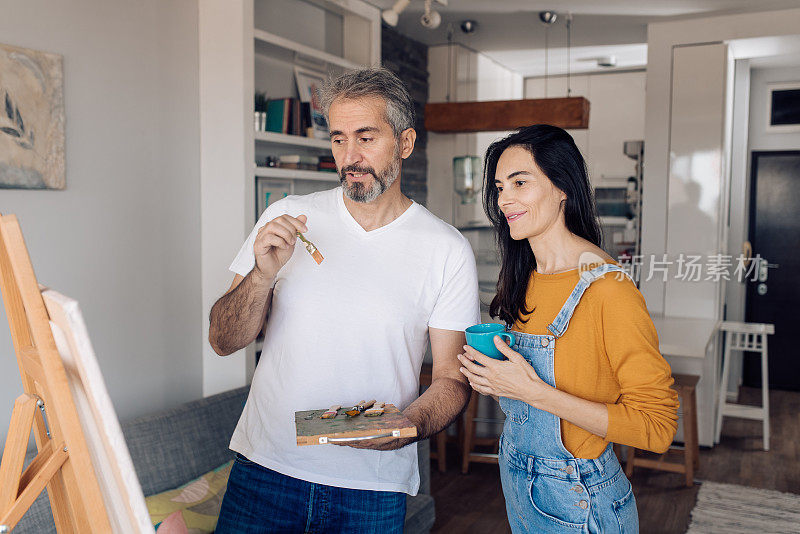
(546, 55)
(569, 48)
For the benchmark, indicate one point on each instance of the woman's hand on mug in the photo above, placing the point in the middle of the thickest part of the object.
(513, 378)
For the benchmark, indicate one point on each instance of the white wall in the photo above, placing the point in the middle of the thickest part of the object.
(226, 166)
(123, 238)
(616, 115)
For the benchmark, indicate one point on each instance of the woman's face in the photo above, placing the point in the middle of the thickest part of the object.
(526, 196)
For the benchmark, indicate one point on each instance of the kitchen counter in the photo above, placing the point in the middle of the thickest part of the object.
(690, 346)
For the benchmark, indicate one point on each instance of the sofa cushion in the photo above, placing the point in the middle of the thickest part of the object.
(195, 505)
(182, 443)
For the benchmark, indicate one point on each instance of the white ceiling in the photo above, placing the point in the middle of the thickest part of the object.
(509, 31)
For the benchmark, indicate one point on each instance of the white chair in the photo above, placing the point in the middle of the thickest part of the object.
(750, 337)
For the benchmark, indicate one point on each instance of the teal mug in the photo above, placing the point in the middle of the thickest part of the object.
(481, 338)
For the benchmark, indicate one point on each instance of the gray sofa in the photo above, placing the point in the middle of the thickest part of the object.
(172, 447)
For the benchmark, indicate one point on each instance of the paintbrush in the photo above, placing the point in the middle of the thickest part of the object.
(360, 407)
(311, 249)
(332, 412)
(376, 410)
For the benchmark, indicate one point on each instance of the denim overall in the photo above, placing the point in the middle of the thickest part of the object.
(546, 488)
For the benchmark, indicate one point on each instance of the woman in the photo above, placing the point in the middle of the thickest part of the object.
(585, 371)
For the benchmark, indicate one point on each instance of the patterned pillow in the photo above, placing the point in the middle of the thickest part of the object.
(192, 508)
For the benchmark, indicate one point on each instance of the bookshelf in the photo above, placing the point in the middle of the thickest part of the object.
(235, 58)
(325, 36)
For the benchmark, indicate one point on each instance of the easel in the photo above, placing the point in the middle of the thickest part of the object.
(63, 464)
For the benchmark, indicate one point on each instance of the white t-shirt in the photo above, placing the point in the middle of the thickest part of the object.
(353, 328)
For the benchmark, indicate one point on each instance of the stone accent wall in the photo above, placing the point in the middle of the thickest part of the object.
(409, 60)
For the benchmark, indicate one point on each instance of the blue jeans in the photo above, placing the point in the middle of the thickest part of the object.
(260, 500)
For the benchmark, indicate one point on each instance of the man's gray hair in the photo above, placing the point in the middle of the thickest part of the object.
(378, 82)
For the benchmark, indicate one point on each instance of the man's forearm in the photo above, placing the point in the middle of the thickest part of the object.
(439, 406)
(238, 316)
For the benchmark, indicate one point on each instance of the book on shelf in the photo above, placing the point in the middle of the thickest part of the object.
(326, 164)
(298, 166)
(296, 158)
(288, 116)
(295, 161)
(278, 115)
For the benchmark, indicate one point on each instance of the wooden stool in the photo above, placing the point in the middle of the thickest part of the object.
(440, 455)
(469, 439)
(745, 337)
(685, 385)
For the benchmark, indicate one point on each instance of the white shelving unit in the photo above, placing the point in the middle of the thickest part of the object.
(292, 140)
(296, 174)
(265, 40)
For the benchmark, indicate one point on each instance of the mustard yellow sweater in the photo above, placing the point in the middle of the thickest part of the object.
(608, 354)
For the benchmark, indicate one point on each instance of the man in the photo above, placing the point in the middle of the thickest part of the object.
(354, 327)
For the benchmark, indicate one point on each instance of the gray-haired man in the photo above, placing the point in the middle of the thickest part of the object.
(354, 327)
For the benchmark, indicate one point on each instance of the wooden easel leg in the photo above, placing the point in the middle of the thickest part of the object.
(18, 489)
(19, 433)
(33, 481)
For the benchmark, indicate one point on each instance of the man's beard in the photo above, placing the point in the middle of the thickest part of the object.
(362, 192)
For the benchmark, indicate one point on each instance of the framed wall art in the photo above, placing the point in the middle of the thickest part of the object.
(31, 119)
(309, 83)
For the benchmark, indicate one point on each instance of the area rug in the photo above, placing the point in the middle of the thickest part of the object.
(736, 509)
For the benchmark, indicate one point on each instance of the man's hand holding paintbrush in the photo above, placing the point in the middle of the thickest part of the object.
(275, 242)
(232, 329)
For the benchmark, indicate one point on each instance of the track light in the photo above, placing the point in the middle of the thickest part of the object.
(548, 18)
(468, 26)
(390, 16)
(430, 18)
(607, 61)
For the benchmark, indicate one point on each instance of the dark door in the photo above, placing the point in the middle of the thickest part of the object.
(775, 236)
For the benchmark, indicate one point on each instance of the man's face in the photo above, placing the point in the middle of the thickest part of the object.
(366, 151)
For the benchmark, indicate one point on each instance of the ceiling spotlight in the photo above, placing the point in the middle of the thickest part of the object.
(468, 26)
(548, 17)
(607, 61)
(430, 18)
(390, 16)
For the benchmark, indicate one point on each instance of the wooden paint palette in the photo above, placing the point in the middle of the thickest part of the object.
(312, 430)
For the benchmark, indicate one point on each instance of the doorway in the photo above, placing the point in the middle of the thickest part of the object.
(775, 237)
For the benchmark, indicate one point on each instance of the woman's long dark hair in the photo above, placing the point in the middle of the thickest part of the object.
(555, 153)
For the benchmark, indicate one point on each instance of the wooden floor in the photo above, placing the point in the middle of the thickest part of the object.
(474, 503)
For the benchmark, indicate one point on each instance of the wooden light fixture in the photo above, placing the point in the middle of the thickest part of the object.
(500, 115)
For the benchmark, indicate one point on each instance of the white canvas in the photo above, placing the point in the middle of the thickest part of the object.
(119, 484)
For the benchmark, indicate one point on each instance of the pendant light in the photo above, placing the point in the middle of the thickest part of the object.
(548, 18)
